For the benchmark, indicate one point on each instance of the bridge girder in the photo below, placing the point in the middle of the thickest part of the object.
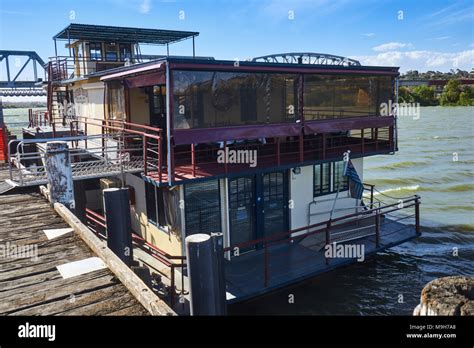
(13, 83)
(307, 58)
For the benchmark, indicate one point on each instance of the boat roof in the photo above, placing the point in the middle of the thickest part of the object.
(90, 32)
(210, 64)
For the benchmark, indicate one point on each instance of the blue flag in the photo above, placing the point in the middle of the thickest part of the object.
(356, 187)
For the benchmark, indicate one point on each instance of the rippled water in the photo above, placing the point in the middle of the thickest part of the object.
(391, 282)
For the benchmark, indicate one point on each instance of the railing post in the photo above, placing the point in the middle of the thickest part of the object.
(362, 139)
(278, 150)
(377, 229)
(371, 196)
(301, 147)
(225, 161)
(328, 237)
(103, 137)
(376, 133)
(145, 158)
(324, 146)
(390, 138)
(193, 160)
(266, 273)
(160, 159)
(172, 287)
(417, 215)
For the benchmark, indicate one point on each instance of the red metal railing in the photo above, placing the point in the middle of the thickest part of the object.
(200, 160)
(97, 224)
(38, 118)
(166, 259)
(348, 221)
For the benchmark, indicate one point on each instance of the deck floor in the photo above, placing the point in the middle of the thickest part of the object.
(293, 262)
(30, 286)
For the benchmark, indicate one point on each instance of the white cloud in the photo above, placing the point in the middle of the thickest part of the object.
(439, 38)
(368, 34)
(390, 46)
(421, 60)
(145, 6)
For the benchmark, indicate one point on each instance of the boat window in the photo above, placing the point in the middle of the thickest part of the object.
(95, 51)
(217, 99)
(125, 51)
(155, 205)
(339, 179)
(322, 182)
(111, 52)
(202, 207)
(328, 177)
(116, 101)
(339, 96)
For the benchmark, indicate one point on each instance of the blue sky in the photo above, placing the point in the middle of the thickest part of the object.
(423, 35)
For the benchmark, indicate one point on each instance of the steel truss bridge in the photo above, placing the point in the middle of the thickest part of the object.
(307, 58)
(19, 85)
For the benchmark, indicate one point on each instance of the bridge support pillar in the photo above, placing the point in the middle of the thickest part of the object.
(59, 172)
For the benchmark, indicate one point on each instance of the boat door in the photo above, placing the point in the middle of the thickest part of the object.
(157, 97)
(258, 207)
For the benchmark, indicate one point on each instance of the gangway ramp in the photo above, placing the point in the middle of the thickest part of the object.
(91, 156)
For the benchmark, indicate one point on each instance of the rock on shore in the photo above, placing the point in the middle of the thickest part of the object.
(447, 296)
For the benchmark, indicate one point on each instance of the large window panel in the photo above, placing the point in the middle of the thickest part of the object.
(218, 99)
(116, 101)
(340, 96)
(202, 207)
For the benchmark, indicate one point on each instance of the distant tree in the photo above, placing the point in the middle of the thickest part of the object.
(411, 75)
(424, 95)
(466, 97)
(451, 93)
(404, 95)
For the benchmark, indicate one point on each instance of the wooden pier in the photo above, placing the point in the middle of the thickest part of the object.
(30, 286)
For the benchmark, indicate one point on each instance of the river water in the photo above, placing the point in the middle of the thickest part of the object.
(390, 283)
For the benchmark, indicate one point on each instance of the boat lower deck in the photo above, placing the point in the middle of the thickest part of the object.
(290, 262)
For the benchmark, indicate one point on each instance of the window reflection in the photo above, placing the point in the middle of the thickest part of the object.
(338, 96)
(205, 99)
(215, 99)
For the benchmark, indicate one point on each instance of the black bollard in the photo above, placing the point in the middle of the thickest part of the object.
(119, 225)
(221, 301)
(204, 278)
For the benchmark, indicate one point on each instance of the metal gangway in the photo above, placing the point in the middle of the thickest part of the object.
(91, 156)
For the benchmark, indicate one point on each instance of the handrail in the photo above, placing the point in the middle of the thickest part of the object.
(364, 214)
(155, 252)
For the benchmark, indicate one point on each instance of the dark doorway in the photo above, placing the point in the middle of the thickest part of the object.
(258, 207)
(157, 97)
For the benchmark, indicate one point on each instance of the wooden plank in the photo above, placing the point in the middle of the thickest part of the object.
(73, 301)
(54, 288)
(113, 303)
(23, 271)
(133, 283)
